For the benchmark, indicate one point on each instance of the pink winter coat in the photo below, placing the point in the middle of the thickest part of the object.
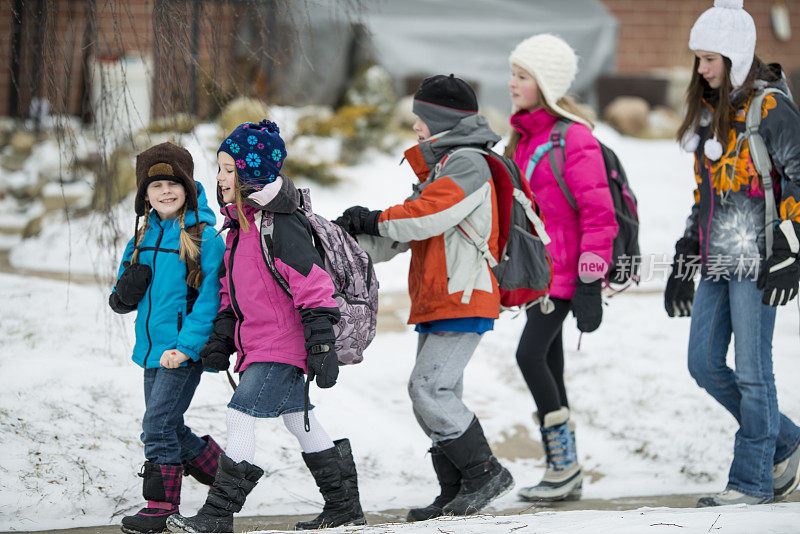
(594, 226)
(268, 326)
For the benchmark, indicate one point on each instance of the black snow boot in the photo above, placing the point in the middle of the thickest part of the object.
(227, 495)
(335, 474)
(161, 487)
(449, 482)
(483, 479)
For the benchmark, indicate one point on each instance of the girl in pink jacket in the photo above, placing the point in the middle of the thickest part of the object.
(278, 317)
(542, 69)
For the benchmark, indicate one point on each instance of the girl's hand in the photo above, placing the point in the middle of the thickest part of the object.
(172, 358)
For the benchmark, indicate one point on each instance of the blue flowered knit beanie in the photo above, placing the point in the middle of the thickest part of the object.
(258, 151)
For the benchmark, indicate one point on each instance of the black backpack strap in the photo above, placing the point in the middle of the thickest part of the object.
(558, 157)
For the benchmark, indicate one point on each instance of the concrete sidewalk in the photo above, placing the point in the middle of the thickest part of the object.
(286, 522)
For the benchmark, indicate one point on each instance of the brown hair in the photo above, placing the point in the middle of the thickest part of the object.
(566, 103)
(723, 105)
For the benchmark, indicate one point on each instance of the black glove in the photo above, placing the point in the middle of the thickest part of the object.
(679, 293)
(780, 273)
(323, 363)
(132, 283)
(359, 220)
(587, 305)
(216, 353)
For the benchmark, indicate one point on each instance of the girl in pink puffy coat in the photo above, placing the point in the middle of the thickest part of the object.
(542, 69)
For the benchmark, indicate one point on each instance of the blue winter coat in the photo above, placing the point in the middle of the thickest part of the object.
(161, 320)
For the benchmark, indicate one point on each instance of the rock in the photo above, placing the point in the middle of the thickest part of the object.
(118, 182)
(628, 114)
(372, 87)
(241, 110)
(180, 122)
(22, 142)
(72, 196)
(663, 123)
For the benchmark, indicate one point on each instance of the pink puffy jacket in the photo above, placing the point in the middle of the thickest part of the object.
(594, 226)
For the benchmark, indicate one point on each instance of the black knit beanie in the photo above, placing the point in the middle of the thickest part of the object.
(441, 101)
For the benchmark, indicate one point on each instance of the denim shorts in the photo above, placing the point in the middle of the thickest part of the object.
(269, 389)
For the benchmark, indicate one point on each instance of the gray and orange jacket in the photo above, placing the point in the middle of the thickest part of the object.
(727, 218)
(454, 189)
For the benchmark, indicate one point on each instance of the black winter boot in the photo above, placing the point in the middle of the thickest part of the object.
(335, 474)
(483, 479)
(161, 487)
(449, 482)
(227, 495)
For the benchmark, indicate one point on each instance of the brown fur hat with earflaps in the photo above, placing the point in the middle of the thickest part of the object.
(165, 161)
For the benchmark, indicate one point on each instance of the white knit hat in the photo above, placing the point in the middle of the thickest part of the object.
(553, 64)
(729, 30)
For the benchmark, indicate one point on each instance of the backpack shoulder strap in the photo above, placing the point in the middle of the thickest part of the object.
(558, 157)
(761, 160)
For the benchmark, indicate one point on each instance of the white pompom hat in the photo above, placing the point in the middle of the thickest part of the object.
(729, 30)
(553, 64)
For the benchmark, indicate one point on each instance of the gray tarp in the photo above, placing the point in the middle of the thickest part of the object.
(471, 38)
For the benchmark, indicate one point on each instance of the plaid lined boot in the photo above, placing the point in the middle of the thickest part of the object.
(203, 467)
(162, 489)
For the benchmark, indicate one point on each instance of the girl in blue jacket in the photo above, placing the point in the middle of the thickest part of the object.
(169, 276)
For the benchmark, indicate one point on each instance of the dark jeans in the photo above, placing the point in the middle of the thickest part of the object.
(765, 435)
(540, 356)
(167, 394)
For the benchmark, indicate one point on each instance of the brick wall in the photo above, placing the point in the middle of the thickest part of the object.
(655, 34)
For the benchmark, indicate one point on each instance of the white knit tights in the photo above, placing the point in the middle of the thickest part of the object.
(242, 437)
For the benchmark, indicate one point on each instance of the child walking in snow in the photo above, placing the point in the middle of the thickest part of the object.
(169, 276)
(742, 234)
(278, 337)
(454, 295)
(542, 69)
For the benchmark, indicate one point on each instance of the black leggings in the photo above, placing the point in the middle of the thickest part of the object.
(540, 357)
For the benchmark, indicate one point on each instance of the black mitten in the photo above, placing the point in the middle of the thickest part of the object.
(587, 305)
(780, 273)
(132, 283)
(216, 353)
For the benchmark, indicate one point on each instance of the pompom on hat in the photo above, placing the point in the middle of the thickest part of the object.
(729, 30)
(553, 64)
(258, 152)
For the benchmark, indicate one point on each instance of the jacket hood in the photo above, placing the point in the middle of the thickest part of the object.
(280, 196)
(472, 130)
(205, 213)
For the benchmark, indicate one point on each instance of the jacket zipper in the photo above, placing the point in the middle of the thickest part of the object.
(180, 321)
(711, 210)
(234, 304)
(149, 296)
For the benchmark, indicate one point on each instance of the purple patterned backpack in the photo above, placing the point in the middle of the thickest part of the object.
(353, 277)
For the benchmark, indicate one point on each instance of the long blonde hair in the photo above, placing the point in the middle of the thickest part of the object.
(238, 199)
(189, 248)
(566, 103)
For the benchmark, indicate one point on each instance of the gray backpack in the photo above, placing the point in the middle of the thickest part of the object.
(761, 160)
(353, 276)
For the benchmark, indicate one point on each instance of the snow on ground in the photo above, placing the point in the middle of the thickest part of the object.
(71, 405)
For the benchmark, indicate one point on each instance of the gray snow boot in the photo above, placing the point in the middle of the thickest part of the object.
(449, 482)
(334, 471)
(227, 495)
(563, 479)
(483, 479)
(786, 475)
(731, 496)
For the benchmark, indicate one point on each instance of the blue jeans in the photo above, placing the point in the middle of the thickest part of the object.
(167, 394)
(765, 435)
